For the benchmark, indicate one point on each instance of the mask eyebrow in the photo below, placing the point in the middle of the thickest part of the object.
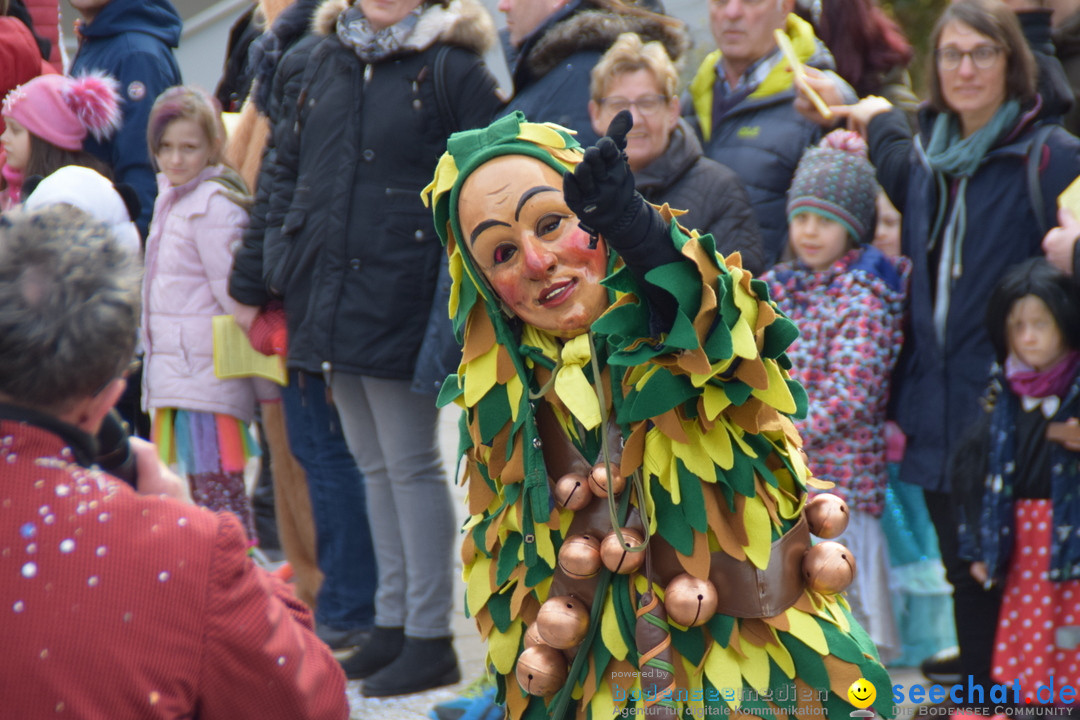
(484, 226)
(528, 195)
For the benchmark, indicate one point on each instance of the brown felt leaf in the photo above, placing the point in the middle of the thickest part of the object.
(841, 674)
(479, 337)
(719, 524)
(669, 424)
(514, 470)
(698, 563)
(757, 632)
(753, 373)
(480, 493)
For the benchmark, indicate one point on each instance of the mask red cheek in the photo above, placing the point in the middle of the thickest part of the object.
(577, 253)
(510, 288)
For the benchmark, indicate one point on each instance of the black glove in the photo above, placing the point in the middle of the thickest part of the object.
(601, 191)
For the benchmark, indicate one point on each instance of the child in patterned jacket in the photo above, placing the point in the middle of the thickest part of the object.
(846, 297)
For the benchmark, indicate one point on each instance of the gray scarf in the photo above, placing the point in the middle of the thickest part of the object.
(372, 45)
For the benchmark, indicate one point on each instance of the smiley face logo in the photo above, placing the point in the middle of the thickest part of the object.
(862, 693)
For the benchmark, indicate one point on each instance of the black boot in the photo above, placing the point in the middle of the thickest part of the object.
(378, 652)
(424, 663)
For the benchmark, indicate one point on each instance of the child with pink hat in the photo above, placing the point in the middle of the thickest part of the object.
(47, 119)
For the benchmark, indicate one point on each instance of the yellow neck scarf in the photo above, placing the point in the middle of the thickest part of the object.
(573, 388)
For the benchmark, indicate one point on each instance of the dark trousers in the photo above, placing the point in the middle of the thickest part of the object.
(976, 609)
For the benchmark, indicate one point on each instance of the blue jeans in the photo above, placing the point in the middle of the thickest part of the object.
(346, 557)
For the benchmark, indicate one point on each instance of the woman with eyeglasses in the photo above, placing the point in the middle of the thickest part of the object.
(977, 187)
(664, 152)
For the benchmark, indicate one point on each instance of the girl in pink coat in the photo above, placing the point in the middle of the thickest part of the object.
(199, 422)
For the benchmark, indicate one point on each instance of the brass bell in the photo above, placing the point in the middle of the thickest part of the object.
(541, 670)
(690, 601)
(828, 567)
(616, 558)
(579, 556)
(572, 491)
(827, 515)
(532, 637)
(599, 482)
(562, 622)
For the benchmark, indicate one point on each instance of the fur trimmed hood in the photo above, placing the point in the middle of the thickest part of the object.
(597, 29)
(463, 23)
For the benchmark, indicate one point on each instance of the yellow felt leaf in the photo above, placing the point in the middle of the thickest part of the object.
(694, 455)
(456, 271)
(478, 584)
(602, 704)
(717, 444)
(758, 531)
(742, 340)
(777, 393)
(503, 647)
(544, 547)
(715, 400)
(746, 302)
(514, 388)
(782, 658)
(542, 134)
(657, 454)
(722, 669)
(805, 627)
(480, 376)
(755, 667)
(670, 480)
(736, 434)
(695, 702)
(609, 631)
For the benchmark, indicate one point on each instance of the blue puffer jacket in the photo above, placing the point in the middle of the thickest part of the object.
(992, 538)
(937, 387)
(132, 40)
(553, 67)
(762, 137)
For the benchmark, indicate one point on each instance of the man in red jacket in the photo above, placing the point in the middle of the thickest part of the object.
(113, 603)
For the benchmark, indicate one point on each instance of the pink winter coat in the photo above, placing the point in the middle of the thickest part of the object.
(189, 253)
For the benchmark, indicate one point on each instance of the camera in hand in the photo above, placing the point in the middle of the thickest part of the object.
(114, 451)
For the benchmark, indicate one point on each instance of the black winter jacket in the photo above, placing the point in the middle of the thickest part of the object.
(937, 387)
(712, 195)
(348, 244)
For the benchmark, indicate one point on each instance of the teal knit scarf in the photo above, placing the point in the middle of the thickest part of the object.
(949, 155)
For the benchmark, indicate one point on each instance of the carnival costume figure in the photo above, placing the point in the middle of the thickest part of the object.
(639, 537)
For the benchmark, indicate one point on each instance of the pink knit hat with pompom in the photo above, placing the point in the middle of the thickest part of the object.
(63, 110)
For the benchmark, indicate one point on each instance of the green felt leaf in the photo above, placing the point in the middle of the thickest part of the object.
(508, 558)
(802, 403)
(662, 392)
(682, 280)
(450, 391)
(625, 614)
(499, 607)
(692, 501)
(538, 573)
(808, 664)
(670, 521)
(690, 643)
(493, 411)
(840, 644)
(778, 337)
(720, 629)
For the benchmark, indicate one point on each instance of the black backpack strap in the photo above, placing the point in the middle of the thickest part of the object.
(1034, 160)
(446, 111)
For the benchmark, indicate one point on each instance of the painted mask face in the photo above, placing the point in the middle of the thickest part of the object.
(1033, 333)
(526, 243)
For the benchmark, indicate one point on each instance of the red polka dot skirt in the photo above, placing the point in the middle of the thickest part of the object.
(1033, 607)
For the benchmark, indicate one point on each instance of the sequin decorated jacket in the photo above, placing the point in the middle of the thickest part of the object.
(849, 318)
(116, 604)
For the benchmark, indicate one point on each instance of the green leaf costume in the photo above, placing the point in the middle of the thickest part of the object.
(703, 412)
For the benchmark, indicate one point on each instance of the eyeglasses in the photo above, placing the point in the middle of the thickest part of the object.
(647, 105)
(983, 56)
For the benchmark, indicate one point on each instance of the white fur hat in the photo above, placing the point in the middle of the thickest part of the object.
(92, 193)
